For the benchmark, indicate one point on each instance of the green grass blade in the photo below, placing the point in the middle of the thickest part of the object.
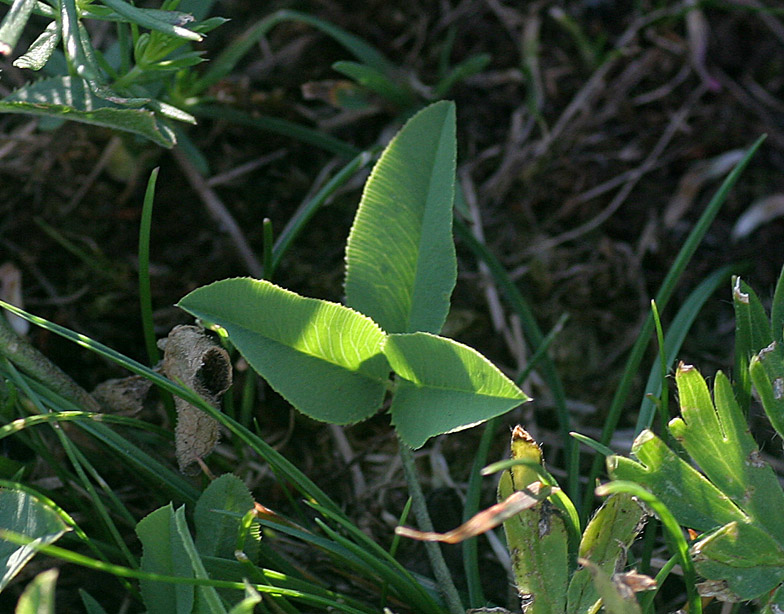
(662, 298)
(536, 338)
(279, 126)
(673, 530)
(226, 61)
(476, 596)
(378, 82)
(308, 209)
(673, 340)
(777, 310)
(145, 297)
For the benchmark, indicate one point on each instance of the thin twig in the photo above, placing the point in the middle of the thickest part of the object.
(219, 212)
(648, 164)
(444, 579)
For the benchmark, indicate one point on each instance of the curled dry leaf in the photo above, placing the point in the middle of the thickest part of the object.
(126, 395)
(191, 357)
(486, 519)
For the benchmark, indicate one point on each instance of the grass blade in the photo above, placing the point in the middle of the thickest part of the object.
(662, 298)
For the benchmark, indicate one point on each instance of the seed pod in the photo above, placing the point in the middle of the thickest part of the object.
(192, 358)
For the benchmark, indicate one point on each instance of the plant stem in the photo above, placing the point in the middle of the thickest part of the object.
(19, 351)
(445, 583)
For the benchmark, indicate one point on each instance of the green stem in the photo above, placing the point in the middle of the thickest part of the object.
(444, 579)
(19, 351)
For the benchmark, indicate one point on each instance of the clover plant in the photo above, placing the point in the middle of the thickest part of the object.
(332, 362)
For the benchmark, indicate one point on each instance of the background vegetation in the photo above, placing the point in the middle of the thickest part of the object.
(588, 145)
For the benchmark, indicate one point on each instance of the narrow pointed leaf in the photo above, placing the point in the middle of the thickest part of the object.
(444, 386)
(14, 23)
(151, 20)
(41, 49)
(324, 358)
(400, 258)
(376, 81)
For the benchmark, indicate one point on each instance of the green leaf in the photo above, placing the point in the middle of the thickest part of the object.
(38, 596)
(767, 374)
(400, 257)
(536, 537)
(71, 98)
(743, 557)
(676, 333)
(444, 386)
(14, 23)
(752, 333)
(777, 310)
(693, 500)
(164, 554)
(605, 541)
(91, 605)
(467, 68)
(247, 605)
(207, 600)
(739, 501)
(614, 599)
(376, 81)
(216, 530)
(150, 20)
(719, 442)
(41, 49)
(25, 514)
(324, 358)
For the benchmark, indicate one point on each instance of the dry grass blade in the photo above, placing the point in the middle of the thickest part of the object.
(486, 519)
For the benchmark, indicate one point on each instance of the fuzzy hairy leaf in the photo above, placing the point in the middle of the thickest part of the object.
(536, 537)
(738, 501)
(323, 358)
(164, 554)
(693, 500)
(216, 530)
(605, 540)
(444, 386)
(400, 257)
(767, 374)
(752, 333)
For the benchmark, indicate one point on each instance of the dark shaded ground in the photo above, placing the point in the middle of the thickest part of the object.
(587, 171)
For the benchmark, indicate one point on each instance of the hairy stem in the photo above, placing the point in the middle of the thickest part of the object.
(445, 583)
(19, 351)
